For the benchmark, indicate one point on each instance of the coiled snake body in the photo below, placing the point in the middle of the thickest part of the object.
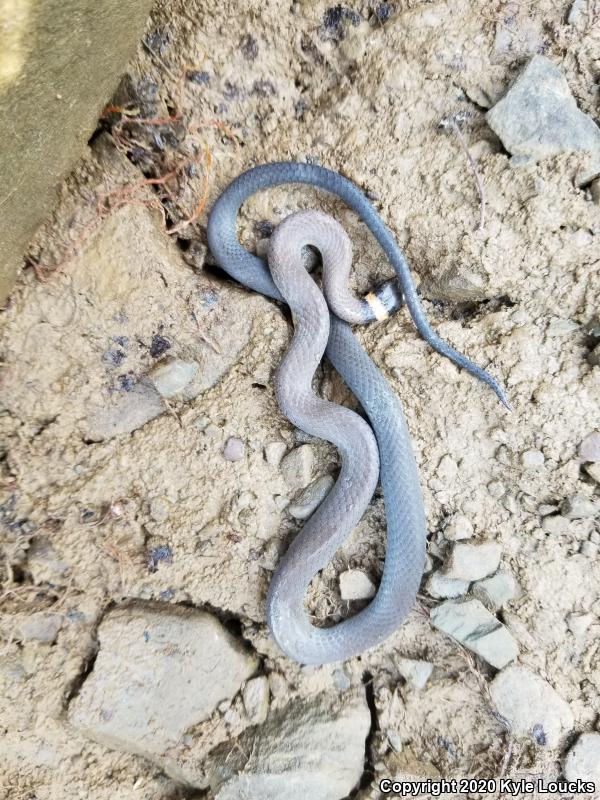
(381, 450)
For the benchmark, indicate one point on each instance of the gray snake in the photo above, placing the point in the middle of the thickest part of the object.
(382, 449)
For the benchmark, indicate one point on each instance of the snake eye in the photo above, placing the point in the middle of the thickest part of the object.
(385, 300)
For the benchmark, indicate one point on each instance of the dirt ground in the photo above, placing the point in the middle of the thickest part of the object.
(216, 88)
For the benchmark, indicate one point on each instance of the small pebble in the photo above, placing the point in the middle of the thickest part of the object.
(356, 585)
(200, 422)
(555, 525)
(340, 680)
(532, 459)
(578, 14)
(497, 591)
(593, 470)
(274, 452)
(447, 468)
(509, 502)
(561, 327)
(589, 449)
(472, 562)
(255, 695)
(159, 509)
(589, 549)
(583, 759)
(415, 672)
(496, 489)
(395, 740)
(171, 376)
(296, 466)
(459, 527)
(234, 449)
(41, 627)
(441, 586)
(278, 685)
(579, 507)
(311, 497)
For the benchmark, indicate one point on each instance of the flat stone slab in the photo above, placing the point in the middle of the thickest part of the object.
(313, 748)
(158, 672)
(471, 624)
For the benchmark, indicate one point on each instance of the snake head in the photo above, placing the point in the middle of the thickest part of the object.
(385, 300)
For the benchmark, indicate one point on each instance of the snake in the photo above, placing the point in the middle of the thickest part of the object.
(377, 450)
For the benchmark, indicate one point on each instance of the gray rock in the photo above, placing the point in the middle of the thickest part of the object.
(159, 671)
(296, 466)
(589, 549)
(171, 376)
(497, 591)
(159, 508)
(496, 489)
(533, 709)
(125, 414)
(471, 624)
(311, 497)
(340, 680)
(41, 627)
(583, 759)
(44, 561)
(311, 748)
(356, 585)
(471, 562)
(532, 459)
(415, 672)
(556, 524)
(593, 470)
(579, 507)
(274, 452)
(538, 117)
(234, 449)
(578, 15)
(589, 449)
(255, 695)
(458, 527)
(441, 586)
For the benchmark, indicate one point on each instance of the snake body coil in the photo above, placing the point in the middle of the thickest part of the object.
(363, 457)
